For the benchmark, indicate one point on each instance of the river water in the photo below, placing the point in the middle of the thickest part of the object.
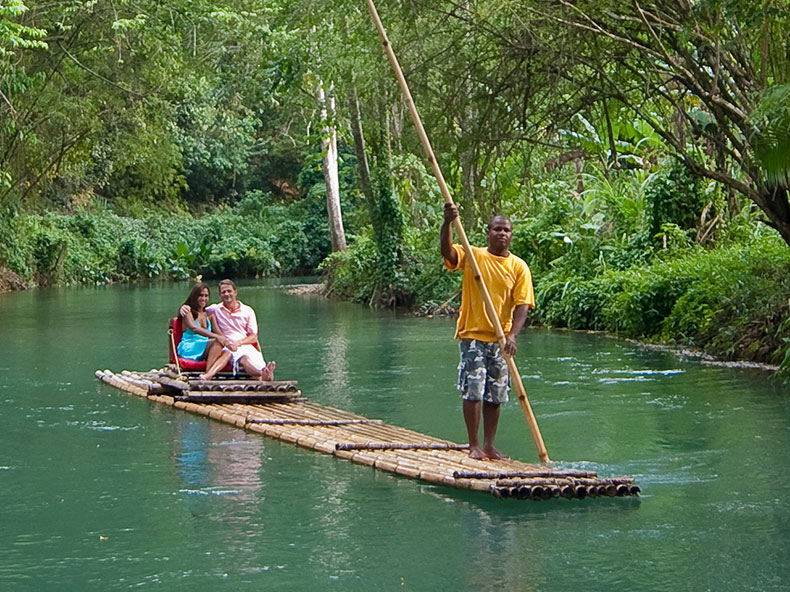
(100, 490)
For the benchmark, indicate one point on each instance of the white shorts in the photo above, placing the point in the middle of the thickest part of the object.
(252, 354)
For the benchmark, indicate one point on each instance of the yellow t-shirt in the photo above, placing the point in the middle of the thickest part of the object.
(509, 284)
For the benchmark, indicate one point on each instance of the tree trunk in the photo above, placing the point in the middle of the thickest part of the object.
(329, 150)
(359, 149)
(469, 193)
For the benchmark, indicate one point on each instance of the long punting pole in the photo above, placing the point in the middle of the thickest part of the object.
(459, 229)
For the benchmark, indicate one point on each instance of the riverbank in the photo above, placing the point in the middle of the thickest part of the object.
(681, 352)
(255, 238)
(10, 282)
(725, 306)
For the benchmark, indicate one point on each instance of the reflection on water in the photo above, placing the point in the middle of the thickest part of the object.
(211, 465)
(102, 490)
(336, 366)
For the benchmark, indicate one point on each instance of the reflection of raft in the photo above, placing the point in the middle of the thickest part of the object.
(277, 409)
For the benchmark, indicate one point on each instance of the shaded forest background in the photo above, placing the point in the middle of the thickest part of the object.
(642, 150)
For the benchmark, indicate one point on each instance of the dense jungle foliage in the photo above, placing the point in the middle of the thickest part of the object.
(641, 149)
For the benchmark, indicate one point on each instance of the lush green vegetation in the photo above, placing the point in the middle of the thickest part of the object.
(643, 151)
(254, 238)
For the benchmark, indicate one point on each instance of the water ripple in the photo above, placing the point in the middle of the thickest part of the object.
(210, 491)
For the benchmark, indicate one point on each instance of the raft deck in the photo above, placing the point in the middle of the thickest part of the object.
(278, 410)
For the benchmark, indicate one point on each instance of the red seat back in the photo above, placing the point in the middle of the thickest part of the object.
(189, 365)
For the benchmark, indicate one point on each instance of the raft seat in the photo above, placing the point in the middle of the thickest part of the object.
(178, 331)
(188, 365)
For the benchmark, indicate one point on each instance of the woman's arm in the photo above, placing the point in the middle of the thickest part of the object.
(187, 318)
(189, 321)
(217, 332)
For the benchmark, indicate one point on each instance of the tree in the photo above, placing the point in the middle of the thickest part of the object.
(695, 71)
(329, 153)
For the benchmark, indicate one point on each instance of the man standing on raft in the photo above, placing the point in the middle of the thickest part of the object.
(240, 327)
(482, 373)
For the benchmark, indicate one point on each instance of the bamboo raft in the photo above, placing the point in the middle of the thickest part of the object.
(278, 410)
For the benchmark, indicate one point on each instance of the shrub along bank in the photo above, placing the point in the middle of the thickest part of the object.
(254, 238)
(731, 302)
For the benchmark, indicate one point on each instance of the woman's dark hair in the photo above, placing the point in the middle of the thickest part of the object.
(192, 299)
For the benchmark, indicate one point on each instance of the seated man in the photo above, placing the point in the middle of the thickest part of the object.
(238, 323)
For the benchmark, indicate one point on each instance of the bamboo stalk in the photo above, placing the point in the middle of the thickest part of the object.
(172, 384)
(459, 229)
(588, 482)
(449, 458)
(402, 446)
(311, 422)
(525, 474)
(237, 396)
(243, 385)
(418, 459)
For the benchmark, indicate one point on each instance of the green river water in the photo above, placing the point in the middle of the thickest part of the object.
(100, 490)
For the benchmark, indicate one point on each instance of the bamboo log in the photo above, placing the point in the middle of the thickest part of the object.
(118, 382)
(430, 462)
(407, 471)
(402, 446)
(238, 396)
(438, 478)
(511, 474)
(313, 422)
(141, 381)
(489, 306)
(386, 433)
(242, 385)
(171, 383)
(587, 482)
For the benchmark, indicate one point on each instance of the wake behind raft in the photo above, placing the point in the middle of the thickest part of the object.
(279, 410)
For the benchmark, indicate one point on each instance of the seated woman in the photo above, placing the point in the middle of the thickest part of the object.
(202, 338)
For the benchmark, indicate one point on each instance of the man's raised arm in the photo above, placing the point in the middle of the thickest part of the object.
(446, 235)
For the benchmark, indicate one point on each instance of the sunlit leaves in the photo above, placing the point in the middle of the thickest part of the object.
(15, 35)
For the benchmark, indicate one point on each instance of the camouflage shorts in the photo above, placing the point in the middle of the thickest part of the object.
(482, 373)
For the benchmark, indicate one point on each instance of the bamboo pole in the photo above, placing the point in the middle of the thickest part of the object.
(459, 229)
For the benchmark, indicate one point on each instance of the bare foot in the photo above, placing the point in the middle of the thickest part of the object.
(204, 377)
(477, 453)
(268, 372)
(494, 454)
